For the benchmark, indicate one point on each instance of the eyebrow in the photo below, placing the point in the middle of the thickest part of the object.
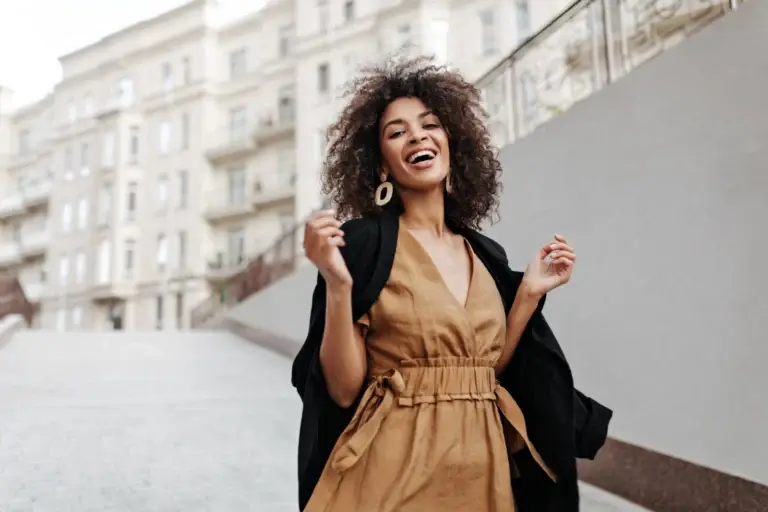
(400, 121)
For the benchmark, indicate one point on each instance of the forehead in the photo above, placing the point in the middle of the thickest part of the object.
(404, 108)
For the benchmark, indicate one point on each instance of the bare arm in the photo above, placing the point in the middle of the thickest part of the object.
(342, 352)
(520, 313)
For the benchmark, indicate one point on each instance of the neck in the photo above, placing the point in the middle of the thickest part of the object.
(424, 212)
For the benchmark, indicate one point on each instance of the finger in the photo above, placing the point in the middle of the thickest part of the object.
(327, 232)
(560, 238)
(337, 241)
(321, 214)
(560, 246)
(323, 222)
(554, 255)
(563, 261)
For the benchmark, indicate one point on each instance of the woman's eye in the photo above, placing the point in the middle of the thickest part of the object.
(395, 134)
(431, 126)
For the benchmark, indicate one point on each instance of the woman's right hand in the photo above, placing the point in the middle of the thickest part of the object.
(322, 239)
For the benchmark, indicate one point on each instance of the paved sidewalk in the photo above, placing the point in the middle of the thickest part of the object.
(152, 422)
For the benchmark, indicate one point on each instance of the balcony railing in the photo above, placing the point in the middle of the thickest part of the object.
(276, 262)
(12, 299)
(588, 46)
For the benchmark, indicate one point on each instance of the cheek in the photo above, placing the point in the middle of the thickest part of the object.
(389, 152)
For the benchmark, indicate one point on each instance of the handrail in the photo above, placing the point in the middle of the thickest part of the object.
(13, 301)
(273, 264)
(591, 44)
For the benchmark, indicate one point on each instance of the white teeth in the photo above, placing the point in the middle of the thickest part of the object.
(420, 153)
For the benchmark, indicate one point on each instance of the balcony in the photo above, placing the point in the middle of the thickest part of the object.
(34, 291)
(112, 291)
(10, 253)
(34, 243)
(274, 128)
(12, 205)
(229, 144)
(37, 193)
(275, 188)
(228, 205)
(224, 268)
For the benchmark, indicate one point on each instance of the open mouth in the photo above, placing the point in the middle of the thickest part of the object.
(421, 156)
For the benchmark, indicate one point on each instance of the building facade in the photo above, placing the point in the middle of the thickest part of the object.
(174, 151)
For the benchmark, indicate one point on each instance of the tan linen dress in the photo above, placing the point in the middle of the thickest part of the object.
(428, 435)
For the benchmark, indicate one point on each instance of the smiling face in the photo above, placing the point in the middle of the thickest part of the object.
(414, 145)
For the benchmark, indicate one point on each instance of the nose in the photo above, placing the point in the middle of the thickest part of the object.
(418, 135)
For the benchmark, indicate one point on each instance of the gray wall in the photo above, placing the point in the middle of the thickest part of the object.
(661, 183)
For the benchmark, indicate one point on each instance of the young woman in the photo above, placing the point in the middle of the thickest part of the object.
(430, 379)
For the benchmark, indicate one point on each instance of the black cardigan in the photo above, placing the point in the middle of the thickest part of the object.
(563, 423)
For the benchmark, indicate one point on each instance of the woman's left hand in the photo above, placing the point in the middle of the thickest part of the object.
(551, 267)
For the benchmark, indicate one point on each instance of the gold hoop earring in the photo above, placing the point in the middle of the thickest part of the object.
(384, 193)
(448, 184)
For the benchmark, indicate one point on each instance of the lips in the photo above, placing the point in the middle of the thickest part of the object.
(421, 155)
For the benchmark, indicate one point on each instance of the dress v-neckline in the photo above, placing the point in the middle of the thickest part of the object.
(431, 263)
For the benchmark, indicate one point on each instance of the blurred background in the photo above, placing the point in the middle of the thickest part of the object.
(158, 159)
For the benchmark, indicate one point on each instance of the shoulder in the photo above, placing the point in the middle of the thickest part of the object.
(360, 228)
(361, 239)
(488, 245)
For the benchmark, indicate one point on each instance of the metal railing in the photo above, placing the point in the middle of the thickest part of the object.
(276, 262)
(13, 301)
(589, 45)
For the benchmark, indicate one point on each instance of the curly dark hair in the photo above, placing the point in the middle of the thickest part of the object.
(353, 160)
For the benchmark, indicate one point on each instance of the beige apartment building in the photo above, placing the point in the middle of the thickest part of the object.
(175, 150)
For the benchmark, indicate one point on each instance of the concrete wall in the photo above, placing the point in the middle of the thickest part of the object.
(660, 182)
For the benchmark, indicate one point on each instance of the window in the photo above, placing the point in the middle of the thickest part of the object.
(61, 320)
(182, 249)
(80, 267)
(286, 165)
(488, 32)
(72, 112)
(404, 41)
(285, 43)
(323, 15)
(68, 164)
(162, 193)
(179, 310)
(439, 29)
(82, 214)
(125, 92)
(66, 217)
(63, 270)
(105, 204)
(84, 168)
(108, 150)
(235, 247)
(183, 189)
(186, 66)
(88, 105)
(236, 186)
(134, 144)
(285, 108)
(159, 312)
(349, 10)
(105, 261)
(130, 203)
(238, 124)
(23, 141)
(165, 137)
(130, 254)
(162, 252)
(185, 131)
(523, 16)
(167, 74)
(238, 63)
(77, 316)
(323, 78)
